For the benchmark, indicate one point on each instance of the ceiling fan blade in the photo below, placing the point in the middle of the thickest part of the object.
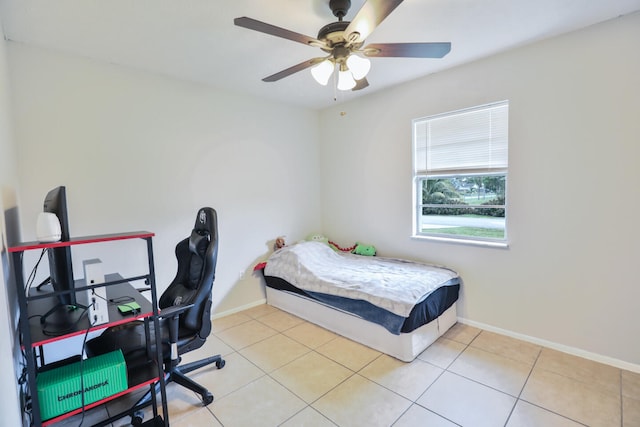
(370, 15)
(407, 50)
(263, 27)
(361, 84)
(292, 70)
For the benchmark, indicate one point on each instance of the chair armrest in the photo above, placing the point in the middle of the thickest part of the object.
(173, 315)
(174, 310)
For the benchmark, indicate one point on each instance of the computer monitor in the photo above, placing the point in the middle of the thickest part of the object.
(60, 267)
(65, 312)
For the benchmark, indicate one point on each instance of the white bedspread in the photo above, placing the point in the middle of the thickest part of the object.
(393, 284)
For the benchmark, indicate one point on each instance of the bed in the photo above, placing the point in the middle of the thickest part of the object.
(395, 306)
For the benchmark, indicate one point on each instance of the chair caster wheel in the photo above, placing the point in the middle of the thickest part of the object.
(137, 418)
(207, 398)
(220, 364)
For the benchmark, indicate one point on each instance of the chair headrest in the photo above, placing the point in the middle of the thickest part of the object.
(198, 241)
(204, 230)
(206, 220)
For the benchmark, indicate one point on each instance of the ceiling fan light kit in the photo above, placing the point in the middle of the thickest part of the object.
(343, 41)
(354, 68)
(345, 80)
(359, 66)
(322, 72)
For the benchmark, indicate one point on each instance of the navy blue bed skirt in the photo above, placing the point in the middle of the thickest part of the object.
(436, 303)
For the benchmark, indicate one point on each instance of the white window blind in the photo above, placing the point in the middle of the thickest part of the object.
(472, 140)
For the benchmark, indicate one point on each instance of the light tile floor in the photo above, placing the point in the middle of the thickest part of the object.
(284, 371)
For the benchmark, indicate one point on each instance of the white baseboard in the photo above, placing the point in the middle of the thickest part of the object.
(555, 346)
(239, 309)
(621, 364)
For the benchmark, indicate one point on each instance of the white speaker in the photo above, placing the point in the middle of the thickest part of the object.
(48, 228)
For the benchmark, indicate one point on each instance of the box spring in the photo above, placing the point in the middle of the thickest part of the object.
(405, 346)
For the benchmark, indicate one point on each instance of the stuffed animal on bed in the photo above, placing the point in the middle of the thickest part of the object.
(279, 244)
(358, 248)
(366, 250)
(317, 238)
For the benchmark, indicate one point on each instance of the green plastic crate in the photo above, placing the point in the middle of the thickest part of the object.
(59, 390)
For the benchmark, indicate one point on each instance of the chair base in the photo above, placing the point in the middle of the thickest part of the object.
(178, 375)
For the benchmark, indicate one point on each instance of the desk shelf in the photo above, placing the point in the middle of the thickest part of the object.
(34, 337)
(140, 378)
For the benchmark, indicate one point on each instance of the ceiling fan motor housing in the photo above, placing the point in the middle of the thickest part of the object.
(340, 46)
(339, 7)
(333, 34)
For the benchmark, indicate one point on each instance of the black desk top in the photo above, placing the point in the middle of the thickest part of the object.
(54, 329)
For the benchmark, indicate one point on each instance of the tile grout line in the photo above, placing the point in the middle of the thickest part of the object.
(309, 405)
(214, 415)
(353, 374)
(358, 371)
(446, 369)
(518, 397)
(268, 374)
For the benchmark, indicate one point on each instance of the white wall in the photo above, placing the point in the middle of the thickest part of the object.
(140, 151)
(143, 152)
(570, 274)
(9, 229)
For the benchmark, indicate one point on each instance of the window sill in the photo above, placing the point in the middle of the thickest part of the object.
(470, 242)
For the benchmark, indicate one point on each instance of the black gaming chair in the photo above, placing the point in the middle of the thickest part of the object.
(185, 312)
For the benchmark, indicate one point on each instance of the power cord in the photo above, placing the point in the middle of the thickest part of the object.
(121, 300)
(23, 383)
(25, 397)
(32, 275)
(134, 309)
(71, 328)
(82, 352)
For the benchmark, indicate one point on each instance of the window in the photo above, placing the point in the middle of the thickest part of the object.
(460, 165)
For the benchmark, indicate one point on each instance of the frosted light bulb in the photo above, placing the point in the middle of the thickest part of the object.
(345, 80)
(359, 66)
(322, 72)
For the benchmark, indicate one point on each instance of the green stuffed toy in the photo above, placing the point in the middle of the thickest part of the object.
(317, 238)
(358, 248)
(366, 250)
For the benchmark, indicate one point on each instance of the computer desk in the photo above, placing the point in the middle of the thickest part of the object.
(117, 293)
(35, 336)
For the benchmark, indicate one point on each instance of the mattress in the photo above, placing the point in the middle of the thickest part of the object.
(397, 294)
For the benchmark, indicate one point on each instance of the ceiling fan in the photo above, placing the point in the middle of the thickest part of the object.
(343, 42)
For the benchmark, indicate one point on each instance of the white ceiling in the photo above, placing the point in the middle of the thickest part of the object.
(196, 40)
